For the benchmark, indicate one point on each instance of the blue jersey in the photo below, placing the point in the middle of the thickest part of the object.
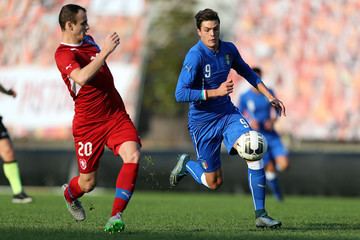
(217, 120)
(204, 69)
(257, 107)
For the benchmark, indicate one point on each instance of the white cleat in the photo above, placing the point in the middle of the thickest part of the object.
(179, 171)
(267, 222)
(75, 208)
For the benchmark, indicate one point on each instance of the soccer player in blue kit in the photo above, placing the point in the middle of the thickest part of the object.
(213, 118)
(262, 117)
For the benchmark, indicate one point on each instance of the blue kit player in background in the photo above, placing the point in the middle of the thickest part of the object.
(213, 118)
(262, 117)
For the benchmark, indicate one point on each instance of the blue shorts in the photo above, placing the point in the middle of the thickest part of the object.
(275, 147)
(208, 136)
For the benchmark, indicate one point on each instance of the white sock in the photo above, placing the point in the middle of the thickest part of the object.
(203, 180)
(255, 165)
(270, 175)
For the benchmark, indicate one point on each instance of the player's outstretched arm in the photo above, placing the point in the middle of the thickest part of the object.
(275, 102)
(82, 75)
(10, 91)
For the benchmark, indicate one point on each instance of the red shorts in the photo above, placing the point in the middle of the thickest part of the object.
(91, 138)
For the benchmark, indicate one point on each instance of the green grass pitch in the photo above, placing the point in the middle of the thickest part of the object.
(169, 215)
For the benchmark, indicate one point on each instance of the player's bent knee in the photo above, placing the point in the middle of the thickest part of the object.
(251, 146)
(8, 155)
(133, 158)
(282, 166)
(136, 157)
(87, 184)
(88, 187)
(214, 186)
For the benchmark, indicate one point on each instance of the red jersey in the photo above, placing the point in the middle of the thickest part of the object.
(98, 99)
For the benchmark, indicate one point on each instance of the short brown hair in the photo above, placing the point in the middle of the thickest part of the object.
(68, 13)
(206, 15)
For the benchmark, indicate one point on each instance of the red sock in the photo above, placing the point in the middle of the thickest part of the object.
(125, 185)
(73, 191)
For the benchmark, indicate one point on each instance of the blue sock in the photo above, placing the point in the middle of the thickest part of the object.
(275, 188)
(195, 169)
(257, 187)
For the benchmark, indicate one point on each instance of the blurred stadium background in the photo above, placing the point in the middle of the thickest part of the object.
(309, 51)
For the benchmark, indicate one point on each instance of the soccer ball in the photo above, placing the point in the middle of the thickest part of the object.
(251, 146)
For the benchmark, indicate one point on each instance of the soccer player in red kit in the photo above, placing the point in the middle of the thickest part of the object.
(100, 117)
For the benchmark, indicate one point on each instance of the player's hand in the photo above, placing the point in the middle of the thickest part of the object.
(226, 88)
(11, 93)
(279, 106)
(111, 42)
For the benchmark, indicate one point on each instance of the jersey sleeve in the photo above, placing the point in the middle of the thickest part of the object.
(66, 61)
(243, 69)
(188, 75)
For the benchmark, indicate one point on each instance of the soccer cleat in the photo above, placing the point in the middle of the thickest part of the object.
(75, 208)
(21, 198)
(266, 221)
(115, 224)
(179, 170)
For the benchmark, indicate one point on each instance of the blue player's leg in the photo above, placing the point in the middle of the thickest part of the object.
(272, 181)
(270, 171)
(211, 180)
(195, 169)
(281, 163)
(257, 183)
(206, 170)
(185, 166)
(279, 153)
(256, 177)
(239, 139)
(180, 171)
(275, 160)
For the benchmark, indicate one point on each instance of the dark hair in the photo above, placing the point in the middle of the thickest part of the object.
(257, 70)
(68, 13)
(206, 15)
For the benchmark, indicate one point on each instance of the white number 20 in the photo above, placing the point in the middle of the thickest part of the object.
(207, 70)
(85, 149)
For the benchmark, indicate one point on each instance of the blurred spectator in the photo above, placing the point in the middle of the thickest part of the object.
(28, 29)
(310, 50)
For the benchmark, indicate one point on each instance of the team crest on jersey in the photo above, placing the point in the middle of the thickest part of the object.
(227, 59)
(204, 164)
(83, 164)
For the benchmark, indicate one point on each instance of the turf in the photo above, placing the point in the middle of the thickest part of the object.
(169, 215)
